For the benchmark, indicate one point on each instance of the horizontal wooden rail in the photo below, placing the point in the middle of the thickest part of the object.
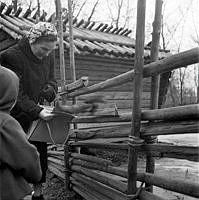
(156, 150)
(100, 145)
(147, 129)
(109, 169)
(169, 128)
(86, 192)
(176, 185)
(94, 159)
(98, 176)
(99, 187)
(80, 83)
(173, 113)
(165, 65)
(172, 151)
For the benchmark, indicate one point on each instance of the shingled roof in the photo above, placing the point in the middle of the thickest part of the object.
(89, 38)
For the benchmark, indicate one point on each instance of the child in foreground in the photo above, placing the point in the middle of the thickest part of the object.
(19, 160)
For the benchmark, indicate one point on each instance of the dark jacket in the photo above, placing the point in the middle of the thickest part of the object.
(19, 160)
(34, 75)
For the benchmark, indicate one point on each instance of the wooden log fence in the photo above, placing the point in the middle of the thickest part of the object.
(96, 178)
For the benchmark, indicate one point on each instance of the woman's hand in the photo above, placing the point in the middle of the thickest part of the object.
(46, 114)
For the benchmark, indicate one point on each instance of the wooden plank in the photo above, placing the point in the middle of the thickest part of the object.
(12, 20)
(101, 177)
(177, 185)
(117, 140)
(169, 128)
(82, 82)
(84, 191)
(172, 151)
(120, 95)
(173, 113)
(92, 159)
(101, 188)
(122, 130)
(12, 27)
(100, 145)
(108, 169)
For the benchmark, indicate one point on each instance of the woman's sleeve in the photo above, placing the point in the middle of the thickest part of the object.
(11, 60)
(18, 153)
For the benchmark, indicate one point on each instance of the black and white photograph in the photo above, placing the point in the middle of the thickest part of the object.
(99, 100)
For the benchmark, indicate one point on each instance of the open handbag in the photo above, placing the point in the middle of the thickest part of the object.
(53, 131)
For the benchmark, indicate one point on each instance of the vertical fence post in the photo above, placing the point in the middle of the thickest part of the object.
(155, 82)
(61, 44)
(72, 55)
(136, 112)
(63, 82)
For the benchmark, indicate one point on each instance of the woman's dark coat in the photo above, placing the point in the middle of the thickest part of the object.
(34, 75)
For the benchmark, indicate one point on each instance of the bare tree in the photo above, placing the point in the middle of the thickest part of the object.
(169, 30)
(196, 81)
(179, 76)
(120, 12)
(93, 10)
(196, 66)
(80, 9)
(38, 8)
(118, 8)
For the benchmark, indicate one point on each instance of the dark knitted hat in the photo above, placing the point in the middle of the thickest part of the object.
(9, 87)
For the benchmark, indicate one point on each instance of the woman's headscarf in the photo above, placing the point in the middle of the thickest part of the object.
(41, 29)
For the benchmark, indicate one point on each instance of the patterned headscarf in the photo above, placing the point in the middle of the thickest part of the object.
(41, 29)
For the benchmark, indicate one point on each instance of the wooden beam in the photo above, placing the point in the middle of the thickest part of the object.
(101, 188)
(84, 191)
(147, 129)
(92, 159)
(173, 113)
(137, 90)
(109, 169)
(80, 83)
(72, 58)
(155, 81)
(61, 44)
(179, 60)
(176, 185)
(187, 112)
(102, 178)
(172, 151)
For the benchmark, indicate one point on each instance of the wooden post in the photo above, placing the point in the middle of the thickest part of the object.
(72, 56)
(155, 83)
(63, 80)
(61, 44)
(136, 112)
